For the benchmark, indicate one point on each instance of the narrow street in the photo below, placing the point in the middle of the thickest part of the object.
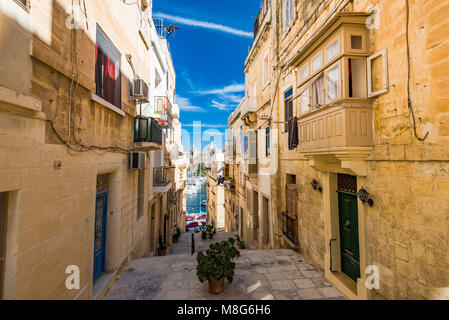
(259, 275)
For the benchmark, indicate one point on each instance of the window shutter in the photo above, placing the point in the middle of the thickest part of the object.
(371, 90)
(252, 147)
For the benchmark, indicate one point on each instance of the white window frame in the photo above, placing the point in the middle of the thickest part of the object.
(385, 84)
(301, 96)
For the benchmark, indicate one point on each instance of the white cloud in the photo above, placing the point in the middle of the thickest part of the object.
(185, 105)
(233, 88)
(221, 105)
(205, 24)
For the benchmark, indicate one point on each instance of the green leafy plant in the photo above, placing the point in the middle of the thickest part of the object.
(210, 229)
(217, 262)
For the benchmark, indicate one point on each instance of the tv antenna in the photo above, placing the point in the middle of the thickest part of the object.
(166, 30)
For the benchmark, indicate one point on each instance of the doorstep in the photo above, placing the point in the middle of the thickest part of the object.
(103, 284)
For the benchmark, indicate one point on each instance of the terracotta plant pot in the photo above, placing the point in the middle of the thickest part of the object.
(216, 286)
(162, 252)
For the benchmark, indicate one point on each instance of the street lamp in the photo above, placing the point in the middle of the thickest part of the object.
(364, 197)
(316, 186)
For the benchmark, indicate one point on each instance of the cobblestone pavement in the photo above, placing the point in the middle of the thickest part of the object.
(259, 275)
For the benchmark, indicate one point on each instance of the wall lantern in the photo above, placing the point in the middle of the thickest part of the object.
(364, 197)
(316, 185)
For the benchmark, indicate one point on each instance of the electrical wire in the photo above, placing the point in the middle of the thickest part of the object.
(409, 101)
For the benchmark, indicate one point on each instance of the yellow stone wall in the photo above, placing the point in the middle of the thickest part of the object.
(405, 232)
(52, 211)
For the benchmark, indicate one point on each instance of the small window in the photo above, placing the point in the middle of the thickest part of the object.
(333, 50)
(333, 83)
(317, 62)
(318, 92)
(377, 74)
(288, 107)
(267, 142)
(304, 101)
(107, 70)
(304, 73)
(356, 42)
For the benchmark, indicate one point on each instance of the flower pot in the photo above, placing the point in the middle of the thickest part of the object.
(162, 252)
(216, 286)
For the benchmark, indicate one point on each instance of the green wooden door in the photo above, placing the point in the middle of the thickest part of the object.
(349, 235)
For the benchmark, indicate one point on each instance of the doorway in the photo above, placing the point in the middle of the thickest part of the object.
(101, 209)
(265, 220)
(3, 215)
(349, 227)
(255, 217)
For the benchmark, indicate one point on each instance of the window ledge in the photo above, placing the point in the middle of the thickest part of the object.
(106, 104)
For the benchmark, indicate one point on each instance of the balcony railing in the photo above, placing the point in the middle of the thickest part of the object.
(147, 130)
(161, 176)
(172, 197)
(290, 227)
(163, 106)
(249, 105)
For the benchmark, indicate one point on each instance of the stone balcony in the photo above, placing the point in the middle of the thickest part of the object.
(248, 109)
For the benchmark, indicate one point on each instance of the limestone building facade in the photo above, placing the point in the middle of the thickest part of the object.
(73, 190)
(365, 186)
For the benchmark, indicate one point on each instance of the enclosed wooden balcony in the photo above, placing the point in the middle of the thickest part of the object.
(334, 128)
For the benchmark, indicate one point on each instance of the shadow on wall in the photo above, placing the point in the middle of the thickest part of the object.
(47, 75)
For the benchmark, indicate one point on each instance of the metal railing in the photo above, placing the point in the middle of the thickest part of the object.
(290, 227)
(162, 106)
(161, 176)
(147, 130)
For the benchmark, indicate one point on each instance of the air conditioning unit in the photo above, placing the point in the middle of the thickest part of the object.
(137, 160)
(140, 91)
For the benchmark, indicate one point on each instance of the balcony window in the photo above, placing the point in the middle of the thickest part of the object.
(318, 92)
(357, 78)
(304, 101)
(304, 73)
(317, 62)
(332, 50)
(333, 83)
(107, 70)
(245, 145)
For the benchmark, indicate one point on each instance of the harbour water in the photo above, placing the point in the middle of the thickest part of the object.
(194, 200)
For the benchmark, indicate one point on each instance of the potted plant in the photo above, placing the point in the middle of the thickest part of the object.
(217, 264)
(240, 243)
(211, 231)
(176, 235)
(162, 249)
(204, 231)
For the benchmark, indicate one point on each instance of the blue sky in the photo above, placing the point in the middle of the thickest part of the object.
(209, 51)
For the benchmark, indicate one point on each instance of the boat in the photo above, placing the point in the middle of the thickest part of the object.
(204, 203)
